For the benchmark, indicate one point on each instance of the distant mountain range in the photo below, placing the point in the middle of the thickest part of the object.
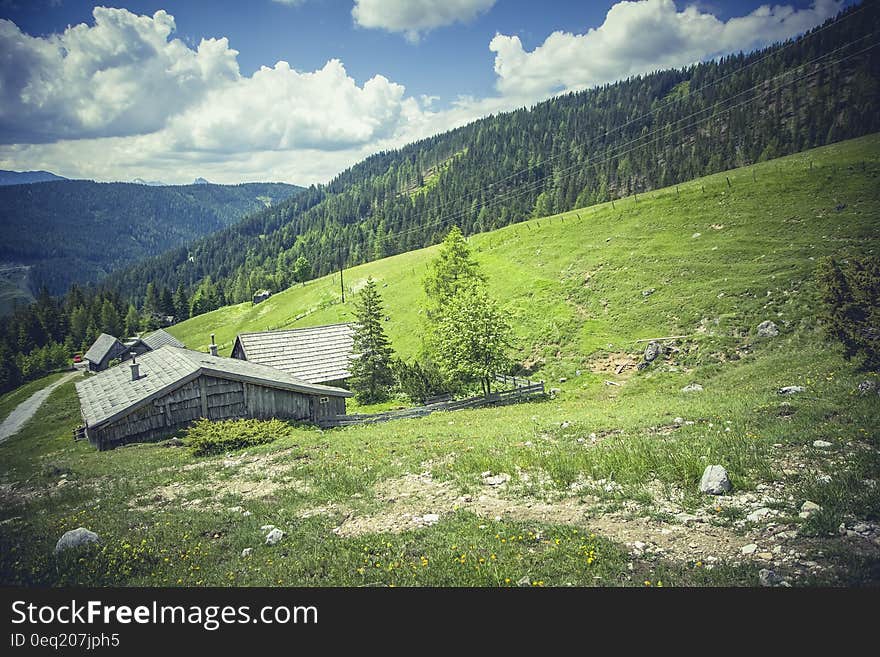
(77, 231)
(27, 177)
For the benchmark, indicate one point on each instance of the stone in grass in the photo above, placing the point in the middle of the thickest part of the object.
(495, 480)
(524, 581)
(821, 444)
(867, 386)
(76, 538)
(791, 390)
(715, 480)
(247, 552)
(767, 329)
(274, 536)
(769, 577)
(749, 549)
(652, 351)
(808, 508)
(693, 387)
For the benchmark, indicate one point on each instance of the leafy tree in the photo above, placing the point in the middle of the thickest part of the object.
(132, 321)
(302, 270)
(204, 299)
(110, 322)
(79, 325)
(472, 337)
(420, 380)
(452, 269)
(371, 375)
(850, 292)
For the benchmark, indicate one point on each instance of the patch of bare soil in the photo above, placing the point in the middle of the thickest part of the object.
(415, 501)
(614, 363)
(249, 477)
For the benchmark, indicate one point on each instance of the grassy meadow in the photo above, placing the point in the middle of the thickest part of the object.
(595, 486)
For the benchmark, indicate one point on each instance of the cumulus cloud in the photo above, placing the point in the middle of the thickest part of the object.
(415, 17)
(121, 76)
(638, 37)
(281, 109)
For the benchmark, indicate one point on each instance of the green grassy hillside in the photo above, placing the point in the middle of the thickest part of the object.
(720, 258)
(596, 486)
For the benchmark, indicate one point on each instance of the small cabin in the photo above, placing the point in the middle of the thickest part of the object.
(163, 391)
(105, 349)
(318, 354)
(261, 296)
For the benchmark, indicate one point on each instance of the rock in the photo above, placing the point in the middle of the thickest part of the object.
(648, 292)
(430, 518)
(495, 480)
(562, 379)
(245, 513)
(695, 236)
(274, 536)
(678, 421)
(524, 581)
(790, 390)
(173, 442)
(766, 556)
(769, 577)
(809, 508)
(867, 386)
(821, 444)
(247, 552)
(715, 480)
(751, 548)
(758, 514)
(686, 518)
(76, 538)
(652, 351)
(642, 365)
(767, 329)
(693, 387)
(235, 509)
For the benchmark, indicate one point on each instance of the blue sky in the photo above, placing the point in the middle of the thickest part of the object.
(128, 92)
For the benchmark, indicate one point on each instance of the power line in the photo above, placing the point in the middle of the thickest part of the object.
(526, 188)
(669, 101)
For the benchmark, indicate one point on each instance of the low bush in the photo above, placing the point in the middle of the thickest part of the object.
(207, 437)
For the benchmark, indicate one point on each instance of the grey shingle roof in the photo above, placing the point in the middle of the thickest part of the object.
(159, 338)
(101, 347)
(319, 353)
(112, 394)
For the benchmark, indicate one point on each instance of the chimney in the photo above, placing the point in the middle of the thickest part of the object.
(213, 346)
(135, 368)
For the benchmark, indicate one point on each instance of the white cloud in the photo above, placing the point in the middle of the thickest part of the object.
(414, 17)
(291, 3)
(638, 37)
(123, 99)
(120, 76)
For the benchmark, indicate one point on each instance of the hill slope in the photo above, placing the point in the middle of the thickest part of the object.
(720, 257)
(601, 484)
(78, 231)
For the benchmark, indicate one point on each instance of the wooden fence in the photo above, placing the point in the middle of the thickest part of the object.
(520, 390)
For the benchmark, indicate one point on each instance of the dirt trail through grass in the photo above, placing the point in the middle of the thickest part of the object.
(25, 410)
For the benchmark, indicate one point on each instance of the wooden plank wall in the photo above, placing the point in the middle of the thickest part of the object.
(224, 399)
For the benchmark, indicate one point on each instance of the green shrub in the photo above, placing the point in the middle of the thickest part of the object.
(207, 437)
(420, 380)
(850, 291)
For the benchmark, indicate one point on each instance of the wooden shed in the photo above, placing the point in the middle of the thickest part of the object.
(163, 391)
(318, 354)
(103, 350)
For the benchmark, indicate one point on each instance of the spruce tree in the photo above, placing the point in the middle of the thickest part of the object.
(371, 375)
(452, 269)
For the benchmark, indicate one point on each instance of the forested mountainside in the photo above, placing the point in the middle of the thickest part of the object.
(76, 231)
(571, 151)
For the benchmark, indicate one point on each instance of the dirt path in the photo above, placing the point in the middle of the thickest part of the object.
(26, 409)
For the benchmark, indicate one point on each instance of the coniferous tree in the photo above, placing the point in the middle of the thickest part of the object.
(132, 321)
(371, 374)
